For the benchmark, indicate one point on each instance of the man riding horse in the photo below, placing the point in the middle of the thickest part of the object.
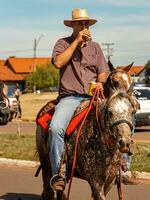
(80, 61)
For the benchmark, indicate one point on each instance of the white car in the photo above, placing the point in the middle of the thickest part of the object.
(143, 115)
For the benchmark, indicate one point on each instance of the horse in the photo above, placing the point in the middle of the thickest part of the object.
(99, 147)
(4, 107)
(118, 79)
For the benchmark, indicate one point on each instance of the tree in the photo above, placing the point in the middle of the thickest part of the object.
(147, 73)
(45, 76)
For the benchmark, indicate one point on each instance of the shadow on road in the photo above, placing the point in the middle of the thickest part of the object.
(20, 196)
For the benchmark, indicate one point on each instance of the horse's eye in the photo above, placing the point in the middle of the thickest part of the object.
(116, 84)
(109, 113)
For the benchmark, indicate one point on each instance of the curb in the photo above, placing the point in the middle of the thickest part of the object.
(139, 175)
(35, 164)
(21, 163)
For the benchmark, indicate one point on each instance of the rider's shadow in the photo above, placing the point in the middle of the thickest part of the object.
(20, 196)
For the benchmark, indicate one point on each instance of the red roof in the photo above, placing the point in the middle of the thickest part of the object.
(16, 69)
(2, 62)
(7, 74)
(25, 65)
(135, 70)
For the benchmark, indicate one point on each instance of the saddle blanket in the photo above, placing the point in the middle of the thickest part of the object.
(46, 113)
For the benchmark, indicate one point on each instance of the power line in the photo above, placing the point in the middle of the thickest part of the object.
(16, 51)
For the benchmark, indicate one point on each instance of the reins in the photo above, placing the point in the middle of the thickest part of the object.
(119, 185)
(96, 95)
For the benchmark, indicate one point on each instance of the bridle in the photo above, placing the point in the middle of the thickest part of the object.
(107, 125)
(121, 121)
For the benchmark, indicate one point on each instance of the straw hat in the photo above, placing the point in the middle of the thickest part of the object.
(79, 15)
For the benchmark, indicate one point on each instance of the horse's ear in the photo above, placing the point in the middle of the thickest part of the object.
(127, 68)
(110, 65)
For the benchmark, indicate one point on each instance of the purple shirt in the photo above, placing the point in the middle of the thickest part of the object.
(83, 67)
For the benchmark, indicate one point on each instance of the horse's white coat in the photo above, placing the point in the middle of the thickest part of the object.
(125, 78)
(120, 106)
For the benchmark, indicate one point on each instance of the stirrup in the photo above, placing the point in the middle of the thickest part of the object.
(54, 179)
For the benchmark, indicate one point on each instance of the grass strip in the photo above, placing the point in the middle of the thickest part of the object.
(141, 158)
(24, 148)
(18, 147)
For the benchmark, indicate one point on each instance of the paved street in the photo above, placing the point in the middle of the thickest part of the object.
(20, 184)
(142, 133)
(25, 127)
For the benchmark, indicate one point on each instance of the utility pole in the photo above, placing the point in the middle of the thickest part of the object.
(108, 49)
(35, 47)
(36, 42)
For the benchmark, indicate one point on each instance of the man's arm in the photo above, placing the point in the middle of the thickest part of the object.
(64, 57)
(101, 79)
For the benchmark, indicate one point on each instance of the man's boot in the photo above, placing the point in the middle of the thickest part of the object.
(57, 183)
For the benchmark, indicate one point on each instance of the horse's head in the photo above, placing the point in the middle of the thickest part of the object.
(118, 79)
(4, 107)
(118, 118)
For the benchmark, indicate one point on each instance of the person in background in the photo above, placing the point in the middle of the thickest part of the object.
(5, 89)
(17, 94)
(80, 61)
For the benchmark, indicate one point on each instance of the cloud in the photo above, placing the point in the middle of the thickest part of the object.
(125, 23)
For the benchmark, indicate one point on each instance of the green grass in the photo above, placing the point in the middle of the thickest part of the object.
(141, 158)
(18, 147)
(23, 148)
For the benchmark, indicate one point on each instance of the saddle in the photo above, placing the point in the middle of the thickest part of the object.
(46, 113)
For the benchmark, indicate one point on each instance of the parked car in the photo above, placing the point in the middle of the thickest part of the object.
(13, 106)
(143, 115)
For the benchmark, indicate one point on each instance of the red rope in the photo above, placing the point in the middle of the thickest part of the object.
(77, 138)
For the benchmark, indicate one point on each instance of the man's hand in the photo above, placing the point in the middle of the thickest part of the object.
(82, 35)
(96, 85)
(99, 86)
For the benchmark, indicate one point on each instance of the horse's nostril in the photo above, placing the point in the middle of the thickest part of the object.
(128, 145)
(121, 143)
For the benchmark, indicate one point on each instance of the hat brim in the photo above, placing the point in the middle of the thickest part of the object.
(69, 22)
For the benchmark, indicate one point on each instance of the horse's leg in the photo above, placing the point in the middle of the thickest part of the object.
(41, 144)
(109, 185)
(97, 191)
(61, 196)
(47, 193)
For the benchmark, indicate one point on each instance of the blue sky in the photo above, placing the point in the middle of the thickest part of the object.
(124, 23)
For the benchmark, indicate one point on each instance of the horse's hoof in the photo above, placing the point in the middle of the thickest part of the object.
(61, 195)
(47, 196)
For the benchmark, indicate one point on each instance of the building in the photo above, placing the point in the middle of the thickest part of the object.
(14, 70)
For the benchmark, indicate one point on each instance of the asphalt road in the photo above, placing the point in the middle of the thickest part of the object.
(141, 133)
(20, 184)
(13, 127)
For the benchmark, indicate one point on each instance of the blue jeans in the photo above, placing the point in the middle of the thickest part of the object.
(61, 118)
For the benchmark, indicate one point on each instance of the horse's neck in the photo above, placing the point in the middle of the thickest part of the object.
(99, 134)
